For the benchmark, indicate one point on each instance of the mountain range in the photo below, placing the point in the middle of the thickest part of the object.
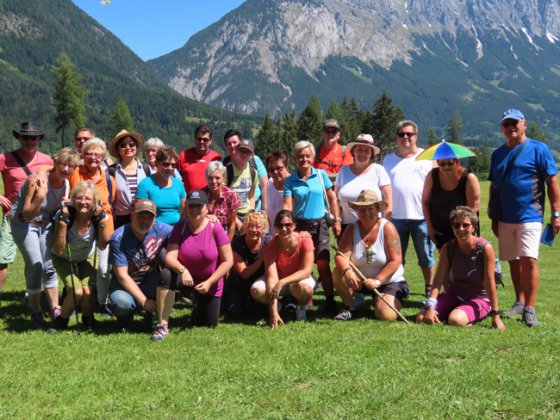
(32, 35)
(433, 57)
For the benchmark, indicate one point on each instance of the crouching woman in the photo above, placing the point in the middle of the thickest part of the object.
(79, 229)
(466, 270)
(288, 264)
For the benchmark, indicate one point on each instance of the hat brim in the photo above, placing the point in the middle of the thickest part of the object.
(381, 204)
(376, 150)
(136, 136)
(17, 134)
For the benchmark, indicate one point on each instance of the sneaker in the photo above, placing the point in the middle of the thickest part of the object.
(59, 324)
(105, 311)
(359, 300)
(330, 305)
(37, 319)
(344, 315)
(516, 309)
(301, 312)
(289, 302)
(530, 317)
(160, 332)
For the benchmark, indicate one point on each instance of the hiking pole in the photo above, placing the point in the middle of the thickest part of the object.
(73, 286)
(363, 278)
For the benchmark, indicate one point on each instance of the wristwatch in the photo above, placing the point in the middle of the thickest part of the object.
(181, 271)
(556, 214)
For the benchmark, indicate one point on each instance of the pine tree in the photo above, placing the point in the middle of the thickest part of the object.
(69, 96)
(289, 133)
(310, 122)
(354, 117)
(480, 164)
(535, 132)
(381, 122)
(432, 138)
(121, 118)
(334, 111)
(267, 139)
(454, 129)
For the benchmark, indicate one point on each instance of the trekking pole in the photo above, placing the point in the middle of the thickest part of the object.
(73, 284)
(363, 278)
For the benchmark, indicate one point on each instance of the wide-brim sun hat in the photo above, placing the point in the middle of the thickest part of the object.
(364, 140)
(367, 198)
(29, 130)
(138, 138)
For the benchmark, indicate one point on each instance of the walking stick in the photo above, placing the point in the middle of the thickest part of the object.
(73, 285)
(362, 277)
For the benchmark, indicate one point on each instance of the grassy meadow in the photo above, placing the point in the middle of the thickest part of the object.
(316, 369)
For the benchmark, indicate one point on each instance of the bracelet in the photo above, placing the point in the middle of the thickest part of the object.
(493, 312)
(346, 270)
(377, 282)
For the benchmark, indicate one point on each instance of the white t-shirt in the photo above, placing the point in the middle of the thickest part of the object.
(274, 203)
(351, 186)
(407, 180)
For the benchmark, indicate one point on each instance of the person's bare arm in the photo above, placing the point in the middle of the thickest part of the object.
(553, 191)
(473, 192)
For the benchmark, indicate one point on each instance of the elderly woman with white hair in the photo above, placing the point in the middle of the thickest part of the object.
(151, 147)
(306, 192)
(351, 179)
(223, 202)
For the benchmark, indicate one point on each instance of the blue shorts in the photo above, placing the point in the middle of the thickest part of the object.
(418, 230)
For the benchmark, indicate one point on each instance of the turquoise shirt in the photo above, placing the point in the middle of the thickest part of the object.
(167, 199)
(308, 200)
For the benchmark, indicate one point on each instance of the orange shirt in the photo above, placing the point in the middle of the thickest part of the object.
(332, 160)
(81, 174)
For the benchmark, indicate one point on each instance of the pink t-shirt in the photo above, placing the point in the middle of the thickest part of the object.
(287, 264)
(198, 252)
(14, 176)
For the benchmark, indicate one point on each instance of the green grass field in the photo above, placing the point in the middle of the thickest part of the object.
(358, 369)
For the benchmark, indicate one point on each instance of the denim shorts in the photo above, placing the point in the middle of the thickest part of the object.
(418, 230)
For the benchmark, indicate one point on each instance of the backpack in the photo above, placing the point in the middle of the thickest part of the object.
(231, 179)
(330, 165)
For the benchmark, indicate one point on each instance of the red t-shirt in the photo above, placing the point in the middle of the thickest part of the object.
(192, 168)
(287, 264)
(332, 160)
(13, 174)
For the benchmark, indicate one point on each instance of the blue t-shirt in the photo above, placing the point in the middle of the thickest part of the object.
(307, 195)
(167, 199)
(141, 257)
(522, 192)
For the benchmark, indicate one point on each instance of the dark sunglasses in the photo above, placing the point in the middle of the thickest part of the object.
(276, 170)
(202, 139)
(83, 138)
(461, 225)
(285, 225)
(446, 163)
(405, 134)
(168, 164)
(129, 145)
(510, 123)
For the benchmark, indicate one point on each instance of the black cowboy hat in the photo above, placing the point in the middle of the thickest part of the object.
(27, 129)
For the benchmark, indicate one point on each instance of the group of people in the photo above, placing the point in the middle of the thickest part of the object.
(129, 235)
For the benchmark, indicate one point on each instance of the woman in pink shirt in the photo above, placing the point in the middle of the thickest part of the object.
(288, 262)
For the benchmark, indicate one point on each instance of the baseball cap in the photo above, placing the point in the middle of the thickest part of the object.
(145, 205)
(512, 114)
(247, 144)
(197, 197)
(331, 123)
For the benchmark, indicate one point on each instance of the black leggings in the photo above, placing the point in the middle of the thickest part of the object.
(207, 311)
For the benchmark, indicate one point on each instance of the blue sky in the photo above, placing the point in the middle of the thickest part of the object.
(156, 27)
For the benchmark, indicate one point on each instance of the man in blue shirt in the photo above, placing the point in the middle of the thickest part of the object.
(521, 193)
(136, 256)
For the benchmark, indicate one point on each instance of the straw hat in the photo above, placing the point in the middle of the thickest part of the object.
(367, 198)
(364, 140)
(138, 138)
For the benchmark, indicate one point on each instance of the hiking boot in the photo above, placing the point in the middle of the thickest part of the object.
(160, 332)
(516, 309)
(59, 324)
(359, 300)
(530, 317)
(89, 322)
(344, 315)
(301, 312)
(37, 319)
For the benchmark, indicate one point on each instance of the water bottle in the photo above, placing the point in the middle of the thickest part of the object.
(498, 272)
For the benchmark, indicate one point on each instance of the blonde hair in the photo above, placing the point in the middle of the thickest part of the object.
(82, 187)
(67, 155)
(255, 216)
(303, 144)
(94, 143)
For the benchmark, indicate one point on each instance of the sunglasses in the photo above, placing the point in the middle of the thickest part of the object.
(369, 255)
(168, 164)
(509, 123)
(461, 225)
(405, 134)
(276, 170)
(285, 226)
(82, 138)
(93, 155)
(202, 139)
(129, 145)
(445, 163)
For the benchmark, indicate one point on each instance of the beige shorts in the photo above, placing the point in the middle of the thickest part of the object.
(519, 240)
(261, 284)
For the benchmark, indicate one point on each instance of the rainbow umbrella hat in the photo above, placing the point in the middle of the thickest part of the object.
(445, 150)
